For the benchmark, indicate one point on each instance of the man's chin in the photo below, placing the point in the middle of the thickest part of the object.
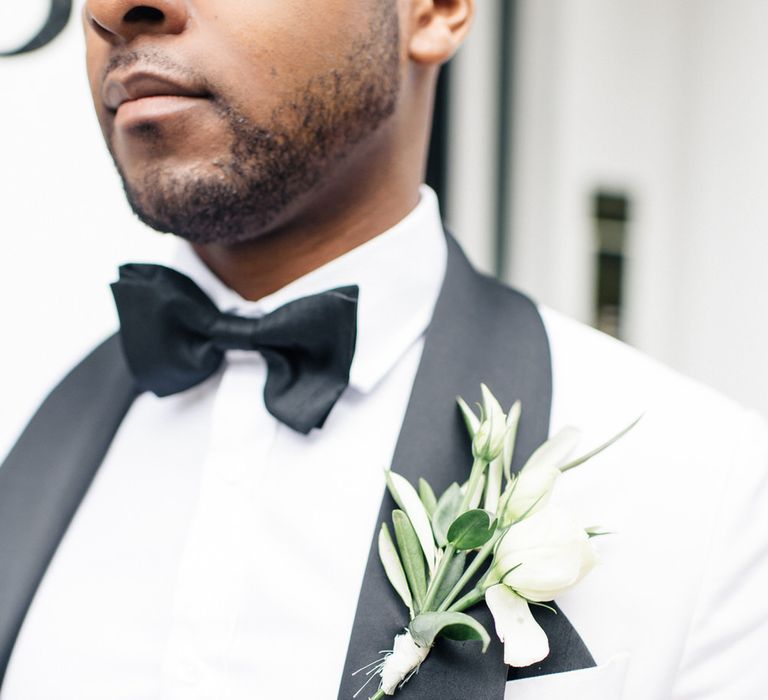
(199, 212)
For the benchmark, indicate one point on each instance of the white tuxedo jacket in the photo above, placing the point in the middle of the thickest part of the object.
(678, 607)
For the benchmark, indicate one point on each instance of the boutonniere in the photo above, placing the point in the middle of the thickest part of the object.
(495, 539)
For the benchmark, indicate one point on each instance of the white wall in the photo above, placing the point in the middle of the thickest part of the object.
(666, 101)
(722, 309)
(64, 225)
(470, 209)
(597, 107)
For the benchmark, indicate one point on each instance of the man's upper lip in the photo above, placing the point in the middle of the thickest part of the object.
(138, 84)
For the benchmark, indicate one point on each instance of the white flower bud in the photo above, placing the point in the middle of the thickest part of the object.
(491, 435)
(529, 493)
(533, 486)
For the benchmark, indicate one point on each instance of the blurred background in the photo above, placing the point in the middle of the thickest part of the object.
(609, 157)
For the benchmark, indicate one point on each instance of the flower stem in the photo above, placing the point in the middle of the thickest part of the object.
(378, 696)
(437, 581)
(472, 598)
(478, 468)
(473, 568)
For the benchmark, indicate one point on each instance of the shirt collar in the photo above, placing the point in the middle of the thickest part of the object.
(399, 273)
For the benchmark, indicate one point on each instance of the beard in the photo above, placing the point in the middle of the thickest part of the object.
(270, 165)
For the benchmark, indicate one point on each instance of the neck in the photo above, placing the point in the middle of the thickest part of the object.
(260, 267)
(355, 208)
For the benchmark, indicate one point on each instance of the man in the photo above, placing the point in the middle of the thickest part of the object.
(190, 513)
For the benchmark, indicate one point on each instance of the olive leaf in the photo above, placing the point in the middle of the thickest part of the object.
(427, 496)
(408, 500)
(411, 557)
(393, 567)
(453, 573)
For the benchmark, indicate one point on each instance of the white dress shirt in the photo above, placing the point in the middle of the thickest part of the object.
(219, 554)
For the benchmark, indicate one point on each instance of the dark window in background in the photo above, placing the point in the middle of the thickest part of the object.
(507, 39)
(437, 165)
(611, 215)
(59, 13)
(500, 162)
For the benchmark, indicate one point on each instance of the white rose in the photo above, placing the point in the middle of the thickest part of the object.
(525, 642)
(543, 555)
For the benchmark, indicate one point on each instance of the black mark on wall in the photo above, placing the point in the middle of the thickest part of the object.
(611, 211)
(59, 14)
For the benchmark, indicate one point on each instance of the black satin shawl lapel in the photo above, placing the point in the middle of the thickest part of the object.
(480, 332)
(46, 475)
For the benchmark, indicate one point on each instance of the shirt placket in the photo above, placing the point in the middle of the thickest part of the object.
(209, 592)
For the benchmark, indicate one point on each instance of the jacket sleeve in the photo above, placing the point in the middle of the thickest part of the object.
(724, 654)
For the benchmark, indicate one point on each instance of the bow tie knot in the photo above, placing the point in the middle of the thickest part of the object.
(231, 332)
(174, 338)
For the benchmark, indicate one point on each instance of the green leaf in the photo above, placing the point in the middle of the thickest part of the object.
(513, 421)
(408, 500)
(493, 486)
(578, 462)
(393, 567)
(446, 512)
(470, 419)
(543, 605)
(427, 496)
(471, 530)
(411, 556)
(491, 405)
(598, 532)
(477, 494)
(458, 626)
(452, 575)
(499, 579)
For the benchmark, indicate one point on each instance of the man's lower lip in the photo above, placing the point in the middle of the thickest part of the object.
(155, 109)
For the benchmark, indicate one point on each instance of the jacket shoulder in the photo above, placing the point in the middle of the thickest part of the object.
(588, 363)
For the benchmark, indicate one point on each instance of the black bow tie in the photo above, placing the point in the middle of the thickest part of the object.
(174, 338)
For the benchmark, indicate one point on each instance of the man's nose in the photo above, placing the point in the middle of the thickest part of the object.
(121, 21)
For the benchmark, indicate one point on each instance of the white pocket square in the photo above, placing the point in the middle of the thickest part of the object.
(603, 682)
